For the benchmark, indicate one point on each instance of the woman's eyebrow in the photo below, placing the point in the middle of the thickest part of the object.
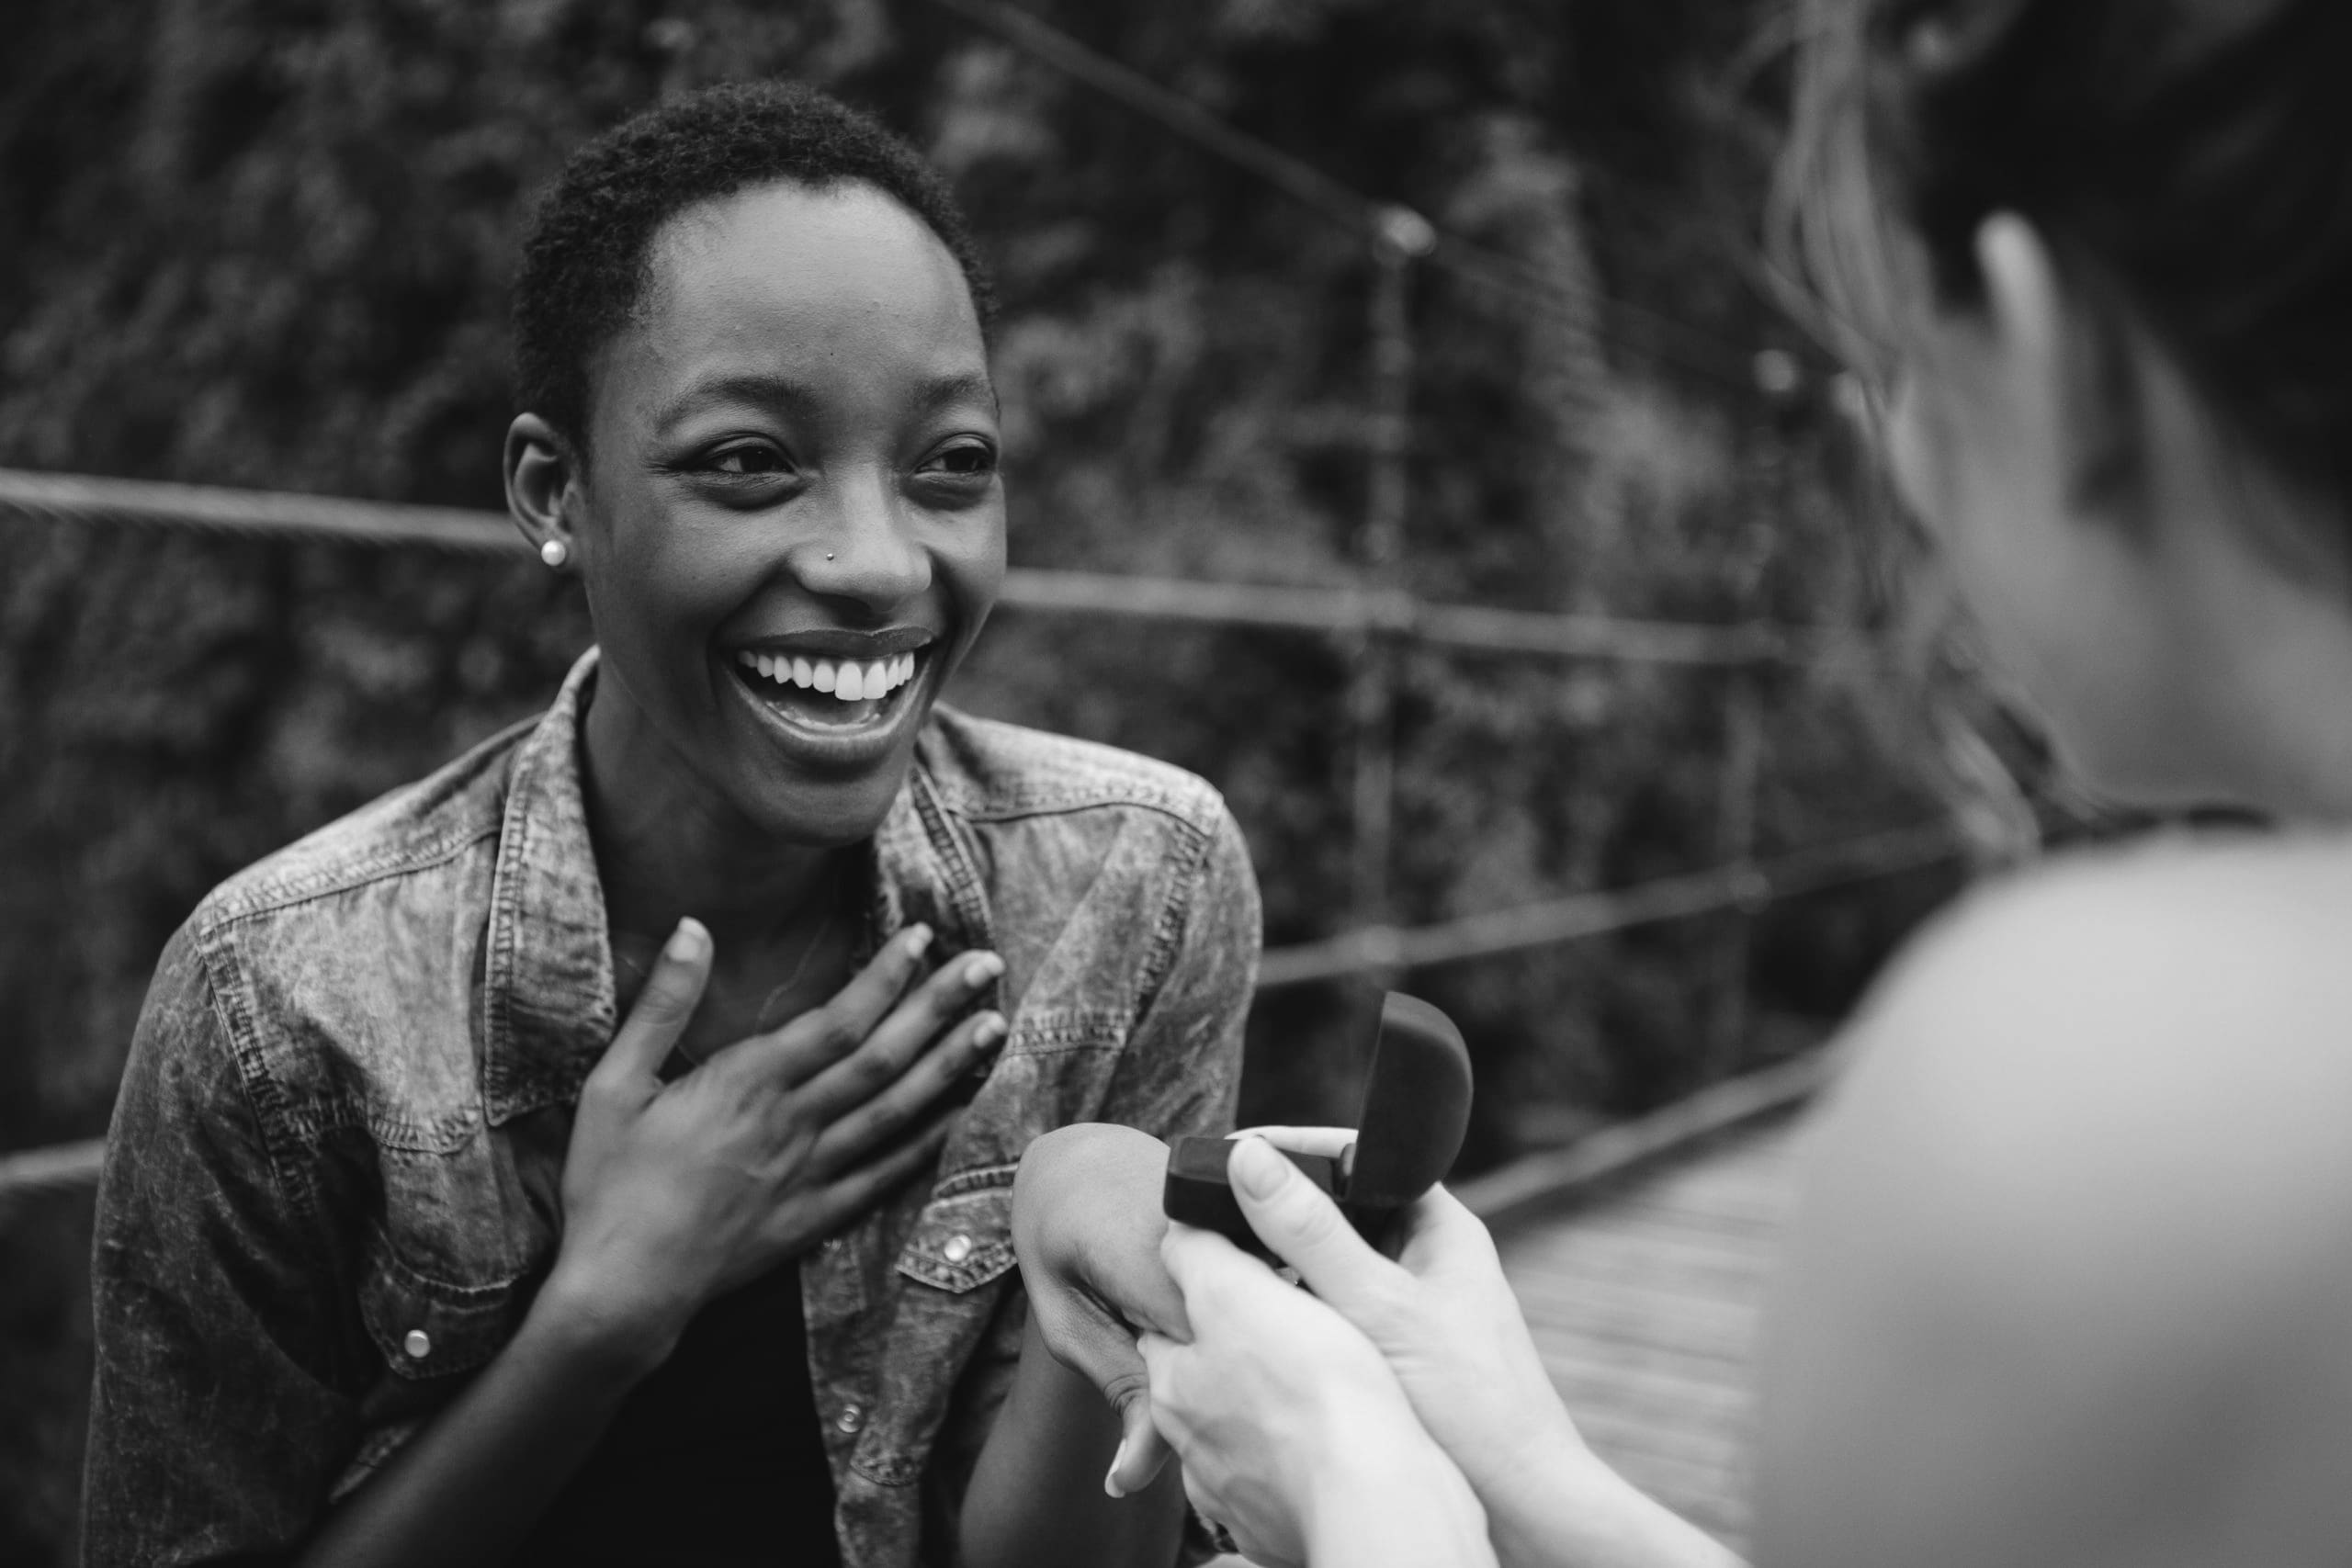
(972, 386)
(762, 388)
(767, 389)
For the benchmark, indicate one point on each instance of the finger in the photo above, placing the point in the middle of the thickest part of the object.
(1143, 1452)
(892, 1046)
(851, 1195)
(1201, 1262)
(966, 1050)
(1437, 1231)
(1328, 1142)
(1086, 1336)
(806, 1045)
(1162, 1358)
(662, 1009)
(1305, 1228)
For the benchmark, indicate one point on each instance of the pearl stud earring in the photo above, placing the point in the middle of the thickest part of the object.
(555, 552)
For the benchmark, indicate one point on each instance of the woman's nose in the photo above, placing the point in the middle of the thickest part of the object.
(867, 549)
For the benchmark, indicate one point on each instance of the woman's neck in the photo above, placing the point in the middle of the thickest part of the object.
(666, 847)
(2261, 606)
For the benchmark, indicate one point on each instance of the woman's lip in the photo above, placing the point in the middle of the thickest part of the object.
(846, 748)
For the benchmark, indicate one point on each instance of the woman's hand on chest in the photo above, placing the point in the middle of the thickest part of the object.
(674, 1192)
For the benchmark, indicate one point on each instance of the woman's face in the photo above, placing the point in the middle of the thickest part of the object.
(794, 525)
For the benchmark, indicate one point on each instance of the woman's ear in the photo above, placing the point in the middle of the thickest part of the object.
(2071, 365)
(542, 470)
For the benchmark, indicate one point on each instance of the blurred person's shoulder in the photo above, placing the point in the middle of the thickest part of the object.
(422, 826)
(2132, 1005)
(2081, 1208)
(985, 769)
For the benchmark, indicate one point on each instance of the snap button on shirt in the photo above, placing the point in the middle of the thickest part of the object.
(958, 1247)
(417, 1343)
(850, 1419)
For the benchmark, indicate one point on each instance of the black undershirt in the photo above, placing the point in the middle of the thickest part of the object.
(714, 1461)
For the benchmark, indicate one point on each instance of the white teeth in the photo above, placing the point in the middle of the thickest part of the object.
(845, 679)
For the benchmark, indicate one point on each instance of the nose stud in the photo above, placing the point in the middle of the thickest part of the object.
(555, 552)
(828, 555)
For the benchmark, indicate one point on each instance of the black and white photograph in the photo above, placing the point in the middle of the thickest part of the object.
(1277, 784)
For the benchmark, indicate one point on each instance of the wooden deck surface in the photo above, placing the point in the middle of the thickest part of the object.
(1644, 1299)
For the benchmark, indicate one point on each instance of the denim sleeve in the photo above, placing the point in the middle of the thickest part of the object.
(1181, 1073)
(216, 1423)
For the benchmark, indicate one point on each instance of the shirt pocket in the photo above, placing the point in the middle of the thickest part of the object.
(426, 1327)
(963, 1238)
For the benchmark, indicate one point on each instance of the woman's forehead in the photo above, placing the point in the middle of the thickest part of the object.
(844, 260)
(797, 284)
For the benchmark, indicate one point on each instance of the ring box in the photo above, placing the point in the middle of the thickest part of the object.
(1416, 1108)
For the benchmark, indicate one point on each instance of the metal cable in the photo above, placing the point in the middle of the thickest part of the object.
(88, 499)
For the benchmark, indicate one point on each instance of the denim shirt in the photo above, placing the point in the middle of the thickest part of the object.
(332, 1184)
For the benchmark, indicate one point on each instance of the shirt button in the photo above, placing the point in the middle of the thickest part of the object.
(417, 1343)
(850, 1419)
(958, 1247)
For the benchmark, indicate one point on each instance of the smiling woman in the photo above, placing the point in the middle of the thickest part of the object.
(593, 1153)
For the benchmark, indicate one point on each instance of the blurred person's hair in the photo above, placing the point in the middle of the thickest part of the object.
(2188, 162)
(585, 259)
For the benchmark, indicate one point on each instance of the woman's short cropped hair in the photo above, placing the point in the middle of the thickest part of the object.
(2191, 158)
(584, 259)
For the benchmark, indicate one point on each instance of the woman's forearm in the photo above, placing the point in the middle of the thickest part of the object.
(1036, 1497)
(1386, 1507)
(469, 1487)
(1567, 1509)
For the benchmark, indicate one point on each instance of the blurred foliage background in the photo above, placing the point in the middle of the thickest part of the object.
(268, 243)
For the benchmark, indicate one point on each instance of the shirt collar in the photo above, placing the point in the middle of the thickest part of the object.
(548, 991)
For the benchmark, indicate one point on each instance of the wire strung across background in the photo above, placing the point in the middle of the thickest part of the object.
(80, 498)
(1384, 223)
(1744, 885)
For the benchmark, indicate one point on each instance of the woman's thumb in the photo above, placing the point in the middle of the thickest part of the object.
(672, 990)
(1142, 1450)
(1301, 1224)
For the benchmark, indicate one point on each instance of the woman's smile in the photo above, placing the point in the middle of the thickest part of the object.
(837, 699)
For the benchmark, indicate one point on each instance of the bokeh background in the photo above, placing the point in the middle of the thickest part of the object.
(268, 244)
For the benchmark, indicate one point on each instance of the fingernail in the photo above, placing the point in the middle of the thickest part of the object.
(983, 969)
(918, 939)
(1256, 1170)
(686, 944)
(1111, 1479)
(991, 1032)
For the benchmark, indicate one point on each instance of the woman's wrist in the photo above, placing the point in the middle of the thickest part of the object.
(1382, 1491)
(582, 1322)
(1566, 1508)
(1532, 1478)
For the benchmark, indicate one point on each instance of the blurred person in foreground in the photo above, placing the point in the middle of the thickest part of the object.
(557, 1161)
(2072, 1283)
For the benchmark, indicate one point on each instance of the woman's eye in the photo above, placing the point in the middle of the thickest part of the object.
(747, 460)
(970, 460)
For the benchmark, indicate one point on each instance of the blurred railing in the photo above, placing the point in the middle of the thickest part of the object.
(1373, 620)
(1739, 884)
